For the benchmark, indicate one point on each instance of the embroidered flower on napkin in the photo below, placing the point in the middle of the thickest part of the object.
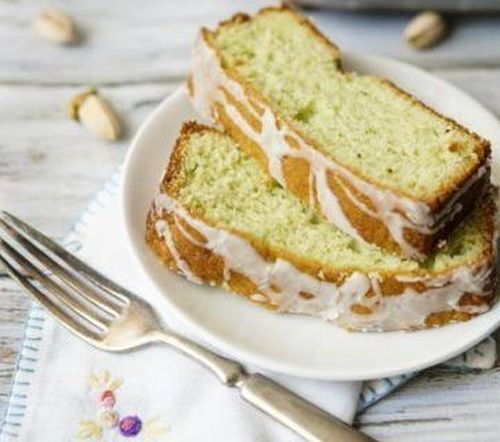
(109, 423)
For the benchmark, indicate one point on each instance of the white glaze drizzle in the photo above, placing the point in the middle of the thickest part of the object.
(284, 285)
(331, 207)
(186, 234)
(163, 230)
(209, 77)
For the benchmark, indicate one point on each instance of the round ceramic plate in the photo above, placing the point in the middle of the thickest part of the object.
(291, 344)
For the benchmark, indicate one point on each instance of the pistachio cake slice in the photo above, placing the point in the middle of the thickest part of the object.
(376, 162)
(220, 219)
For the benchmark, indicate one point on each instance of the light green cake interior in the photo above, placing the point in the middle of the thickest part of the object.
(358, 120)
(229, 189)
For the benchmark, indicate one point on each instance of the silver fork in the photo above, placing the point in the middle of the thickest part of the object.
(111, 318)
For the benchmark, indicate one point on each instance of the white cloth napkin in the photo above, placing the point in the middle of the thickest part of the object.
(65, 390)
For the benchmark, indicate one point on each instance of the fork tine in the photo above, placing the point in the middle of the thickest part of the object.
(67, 299)
(70, 260)
(60, 272)
(63, 318)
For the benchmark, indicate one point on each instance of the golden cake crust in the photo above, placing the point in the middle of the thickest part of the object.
(367, 226)
(208, 267)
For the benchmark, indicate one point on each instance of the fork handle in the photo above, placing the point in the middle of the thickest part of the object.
(301, 416)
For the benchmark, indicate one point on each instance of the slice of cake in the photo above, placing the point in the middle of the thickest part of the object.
(220, 219)
(377, 163)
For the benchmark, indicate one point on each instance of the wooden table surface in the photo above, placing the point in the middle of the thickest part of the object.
(137, 53)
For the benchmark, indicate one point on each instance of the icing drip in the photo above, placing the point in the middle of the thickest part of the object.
(164, 231)
(331, 207)
(186, 234)
(284, 285)
(203, 80)
(396, 212)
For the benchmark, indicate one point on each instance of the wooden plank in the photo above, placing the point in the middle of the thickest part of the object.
(50, 167)
(13, 308)
(440, 407)
(472, 43)
(123, 43)
(411, 5)
(126, 44)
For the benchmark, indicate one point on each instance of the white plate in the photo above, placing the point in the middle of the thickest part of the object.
(295, 345)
